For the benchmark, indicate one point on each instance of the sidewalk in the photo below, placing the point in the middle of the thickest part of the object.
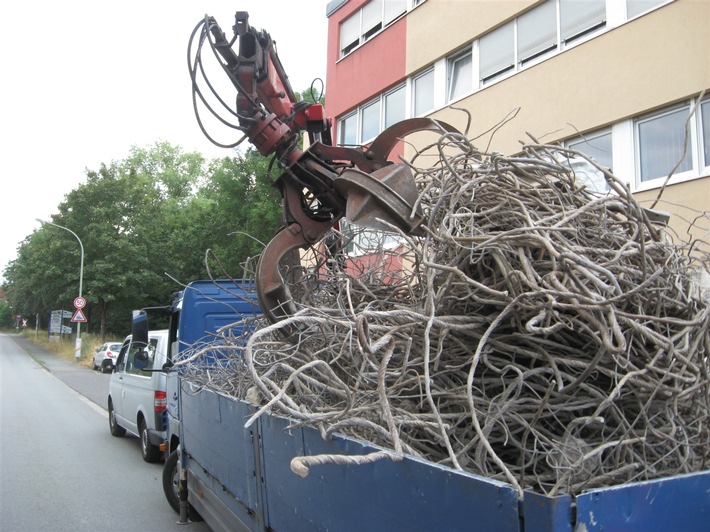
(44, 356)
(91, 384)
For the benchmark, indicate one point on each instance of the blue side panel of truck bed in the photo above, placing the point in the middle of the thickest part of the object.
(680, 503)
(409, 495)
(214, 437)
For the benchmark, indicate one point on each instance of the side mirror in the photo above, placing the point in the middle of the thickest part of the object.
(139, 326)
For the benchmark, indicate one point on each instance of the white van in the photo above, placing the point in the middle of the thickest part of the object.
(136, 399)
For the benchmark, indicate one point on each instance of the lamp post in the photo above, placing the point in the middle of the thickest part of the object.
(77, 347)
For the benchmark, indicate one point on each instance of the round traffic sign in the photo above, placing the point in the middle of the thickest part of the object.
(79, 302)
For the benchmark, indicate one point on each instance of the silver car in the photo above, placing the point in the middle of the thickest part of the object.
(105, 357)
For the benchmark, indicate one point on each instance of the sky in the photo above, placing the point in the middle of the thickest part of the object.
(83, 81)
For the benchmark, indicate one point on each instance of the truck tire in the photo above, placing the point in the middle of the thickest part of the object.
(171, 476)
(116, 430)
(151, 453)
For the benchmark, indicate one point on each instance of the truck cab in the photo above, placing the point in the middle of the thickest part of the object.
(212, 305)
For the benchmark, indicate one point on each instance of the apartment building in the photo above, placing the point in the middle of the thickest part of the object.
(626, 81)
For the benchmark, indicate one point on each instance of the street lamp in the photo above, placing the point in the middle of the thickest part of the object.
(77, 347)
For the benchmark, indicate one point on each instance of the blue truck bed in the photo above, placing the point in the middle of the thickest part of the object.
(248, 471)
(240, 478)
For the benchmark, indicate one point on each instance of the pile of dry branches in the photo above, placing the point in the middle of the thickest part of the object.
(538, 333)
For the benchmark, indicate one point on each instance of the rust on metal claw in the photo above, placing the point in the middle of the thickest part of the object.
(378, 195)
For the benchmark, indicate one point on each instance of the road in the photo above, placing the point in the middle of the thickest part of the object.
(60, 469)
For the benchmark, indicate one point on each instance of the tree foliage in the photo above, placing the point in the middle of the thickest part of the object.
(146, 224)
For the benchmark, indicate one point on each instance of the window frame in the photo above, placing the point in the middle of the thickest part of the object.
(704, 135)
(625, 155)
(590, 138)
(357, 115)
(341, 130)
(366, 123)
(688, 136)
(424, 74)
(451, 69)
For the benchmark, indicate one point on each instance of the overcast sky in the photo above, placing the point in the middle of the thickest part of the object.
(82, 81)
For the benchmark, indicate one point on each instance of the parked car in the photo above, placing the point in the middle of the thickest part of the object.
(137, 400)
(105, 357)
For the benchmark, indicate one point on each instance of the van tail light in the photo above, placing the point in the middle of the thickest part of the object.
(161, 401)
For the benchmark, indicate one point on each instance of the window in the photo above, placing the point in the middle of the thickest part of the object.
(578, 18)
(635, 8)
(537, 32)
(141, 357)
(497, 52)
(661, 144)
(423, 93)
(367, 22)
(365, 123)
(651, 146)
(705, 131)
(370, 121)
(460, 71)
(393, 9)
(347, 130)
(349, 34)
(371, 18)
(597, 146)
(395, 106)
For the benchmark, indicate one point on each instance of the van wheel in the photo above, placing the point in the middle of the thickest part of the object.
(171, 487)
(151, 453)
(116, 429)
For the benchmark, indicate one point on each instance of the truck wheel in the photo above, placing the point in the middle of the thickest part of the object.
(116, 429)
(171, 478)
(151, 453)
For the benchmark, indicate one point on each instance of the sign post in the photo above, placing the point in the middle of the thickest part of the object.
(78, 318)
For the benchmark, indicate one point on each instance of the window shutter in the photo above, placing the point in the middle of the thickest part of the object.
(393, 9)
(637, 7)
(537, 31)
(371, 17)
(349, 33)
(578, 16)
(496, 51)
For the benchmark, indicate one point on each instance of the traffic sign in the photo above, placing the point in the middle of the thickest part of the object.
(79, 303)
(79, 316)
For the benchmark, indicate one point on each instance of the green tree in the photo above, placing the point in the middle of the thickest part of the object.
(244, 208)
(145, 222)
(121, 214)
